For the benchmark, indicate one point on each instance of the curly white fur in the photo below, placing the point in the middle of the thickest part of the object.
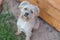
(26, 24)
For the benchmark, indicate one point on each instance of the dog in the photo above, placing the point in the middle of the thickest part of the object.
(27, 20)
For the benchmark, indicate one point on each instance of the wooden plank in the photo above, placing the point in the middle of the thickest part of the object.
(49, 19)
(55, 3)
(54, 13)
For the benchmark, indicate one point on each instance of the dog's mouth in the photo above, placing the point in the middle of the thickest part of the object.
(24, 17)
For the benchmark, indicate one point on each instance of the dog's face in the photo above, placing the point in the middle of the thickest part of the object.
(28, 11)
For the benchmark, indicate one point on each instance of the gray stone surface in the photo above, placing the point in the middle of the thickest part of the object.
(45, 32)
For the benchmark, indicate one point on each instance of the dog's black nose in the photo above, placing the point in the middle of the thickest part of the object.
(26, 14)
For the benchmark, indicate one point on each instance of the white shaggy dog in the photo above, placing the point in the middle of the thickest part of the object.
(27, 19)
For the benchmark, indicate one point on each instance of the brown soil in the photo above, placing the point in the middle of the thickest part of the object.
(1, 5)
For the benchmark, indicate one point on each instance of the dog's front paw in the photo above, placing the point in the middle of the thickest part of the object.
(17, 33)
(27, 39)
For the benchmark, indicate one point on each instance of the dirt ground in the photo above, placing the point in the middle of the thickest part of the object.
(45, 31)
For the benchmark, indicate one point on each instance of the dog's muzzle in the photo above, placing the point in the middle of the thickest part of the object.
(26, 14)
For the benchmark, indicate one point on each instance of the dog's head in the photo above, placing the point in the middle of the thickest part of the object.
(28, 11)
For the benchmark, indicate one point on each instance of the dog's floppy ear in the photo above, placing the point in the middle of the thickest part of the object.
(35, 9)
(24, 3)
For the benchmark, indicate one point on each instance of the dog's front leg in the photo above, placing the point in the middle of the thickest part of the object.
(28, 35)
(18, 32)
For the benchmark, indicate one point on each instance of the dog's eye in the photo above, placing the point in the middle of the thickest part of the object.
(31, 11)
(25, 8)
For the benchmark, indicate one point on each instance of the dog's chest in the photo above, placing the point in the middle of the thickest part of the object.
(22, 24)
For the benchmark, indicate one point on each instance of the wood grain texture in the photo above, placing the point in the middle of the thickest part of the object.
(55, 3)
(49, 19)
(50, 11)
